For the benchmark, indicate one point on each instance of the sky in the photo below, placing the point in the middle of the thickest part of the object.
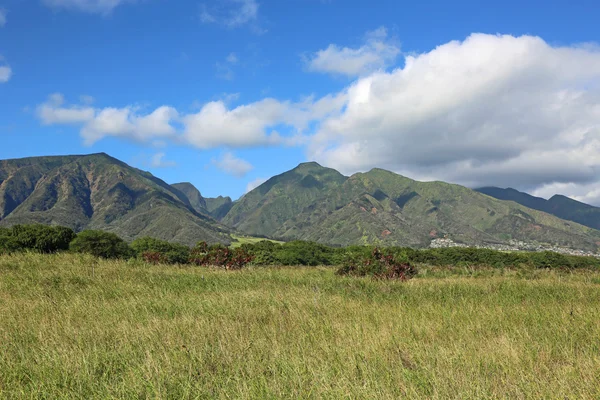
(227, 93)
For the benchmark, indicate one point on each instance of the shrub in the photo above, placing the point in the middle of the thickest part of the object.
(264, 252)
(153, 257)
(548, 259)
(219, 256)
(101, 244)
(8, 243)
(379, 264)
(168, 253)
(42, 238)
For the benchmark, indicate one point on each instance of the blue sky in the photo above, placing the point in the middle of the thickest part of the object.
(226, 93)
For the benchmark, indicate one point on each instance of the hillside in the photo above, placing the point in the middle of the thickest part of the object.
(558, 205)
(100, 192)
(311, 202)
(218, 207)
(193, 195)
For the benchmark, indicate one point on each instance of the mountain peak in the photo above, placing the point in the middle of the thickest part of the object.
(309, 165)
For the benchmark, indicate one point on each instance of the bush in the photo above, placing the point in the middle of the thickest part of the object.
(8, 244)
(292, 253)
(101, 244)
(160, 251)
(219, 256)
(379, 264)
(41, 238)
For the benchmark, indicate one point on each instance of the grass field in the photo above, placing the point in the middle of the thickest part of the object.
(240, 240)
(74, 327)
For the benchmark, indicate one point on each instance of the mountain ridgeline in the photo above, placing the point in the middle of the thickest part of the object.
(558, 205)
(319, 204)
(310, 202)
(99, 192)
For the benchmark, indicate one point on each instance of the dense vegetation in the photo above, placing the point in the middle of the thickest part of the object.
(134, 330)
(355, 260)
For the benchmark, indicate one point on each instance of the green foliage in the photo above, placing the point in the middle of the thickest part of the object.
(40, 238)
(293, 253)
(168, 253)
(101, 244)
(310, 254)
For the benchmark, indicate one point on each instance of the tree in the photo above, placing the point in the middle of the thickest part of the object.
(101, 244)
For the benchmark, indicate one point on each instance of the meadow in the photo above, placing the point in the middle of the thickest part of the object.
(74, 326)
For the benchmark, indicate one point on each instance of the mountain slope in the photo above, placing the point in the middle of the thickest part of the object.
(264, 210)
(193, 195)
(218, 207)
(315, 203)
(100, 192)
(558, 205)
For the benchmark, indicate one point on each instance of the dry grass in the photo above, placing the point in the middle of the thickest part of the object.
(132, 330)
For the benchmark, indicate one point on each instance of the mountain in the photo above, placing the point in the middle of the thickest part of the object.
(193, 195)
(311, 202)
(218, 207)
(558, 205)
(100, 192)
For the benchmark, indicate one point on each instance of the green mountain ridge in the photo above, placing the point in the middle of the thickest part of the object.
(100, 192)
(558, 205)
(311, 202)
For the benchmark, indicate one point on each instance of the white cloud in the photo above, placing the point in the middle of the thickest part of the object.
(3, 13)
(89, 6)
(254, 184)
(491, 110)
(377, 53)
(5, 73)
(158, 161)
(99, 123)
(231, 13)
(244, 126)
(232, 165)
(215, 124)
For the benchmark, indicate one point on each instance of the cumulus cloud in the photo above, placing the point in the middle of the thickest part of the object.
(232, 165)
(215, 124)
(490, 110)
(230, 13)
(98, 123)
(254, 184)
(244, 126)
(88, 6)
(378, 52)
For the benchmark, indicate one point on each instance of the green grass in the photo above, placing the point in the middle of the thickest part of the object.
(74, 327)
(240, 240)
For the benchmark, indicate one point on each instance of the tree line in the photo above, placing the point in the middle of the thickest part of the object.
(391, 262)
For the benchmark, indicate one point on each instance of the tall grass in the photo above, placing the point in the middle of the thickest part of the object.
(133, 330)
